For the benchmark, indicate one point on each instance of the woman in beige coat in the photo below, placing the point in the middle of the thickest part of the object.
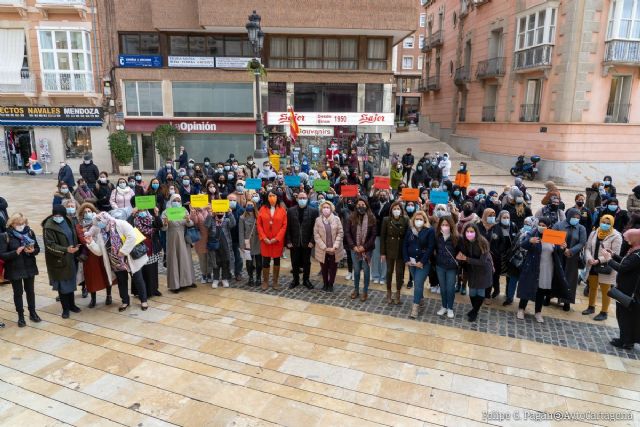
(329, 250)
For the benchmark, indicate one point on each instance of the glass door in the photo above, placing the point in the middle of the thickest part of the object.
(148, 153)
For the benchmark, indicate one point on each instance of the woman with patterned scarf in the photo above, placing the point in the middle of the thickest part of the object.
(95, 275)
(149, 223)
(114, 242)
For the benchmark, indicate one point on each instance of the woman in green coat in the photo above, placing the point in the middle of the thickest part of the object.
(395, 176)
(392, 232)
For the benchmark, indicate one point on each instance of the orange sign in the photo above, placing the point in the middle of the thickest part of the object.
(410, 194)
(349, 191)
(554, 237)
(381, 182)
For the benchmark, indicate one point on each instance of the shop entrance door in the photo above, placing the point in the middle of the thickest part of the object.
(144, 157)
(18, 145)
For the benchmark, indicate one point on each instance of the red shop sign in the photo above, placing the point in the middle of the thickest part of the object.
(192, 126)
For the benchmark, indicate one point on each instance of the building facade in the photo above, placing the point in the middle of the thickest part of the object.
(184, 62)
(50, 105)
(554, 78)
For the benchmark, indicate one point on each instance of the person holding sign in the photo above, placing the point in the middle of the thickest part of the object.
(541, 275)
(272, 227)
(149, 223)
(180, 272)
(219, 245)
(248, 237)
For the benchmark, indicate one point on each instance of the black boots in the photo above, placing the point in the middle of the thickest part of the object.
(109, 300)
(476, 303)
(93, 300)
(307, 283)
(65, 305)
(21, 321)
(33, 316)
(72, 303)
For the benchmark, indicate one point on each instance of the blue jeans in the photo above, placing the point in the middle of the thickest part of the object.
(447, 279)
(419, 277)
(378, 267)
(358, 265)
(237, 262)
(473, 292)
(512, 284)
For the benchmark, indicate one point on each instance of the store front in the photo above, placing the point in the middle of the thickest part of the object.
(53, 134)
(214, 138)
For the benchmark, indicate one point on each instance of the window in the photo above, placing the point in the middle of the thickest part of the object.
(377, 54)
(205, 99)
(408, 42)
(419, 63)
(421, 42)
(318, 53)
(490, 100)
(423, 19)
(624, 20)
(140, 44)
(407, 62)
(536, 29)
(325, 97)
(65, 58)
(199, 45)
(277, 96)
(143, 98)
(530, 110)
(77, 141)
(373, 97)
(619, 96)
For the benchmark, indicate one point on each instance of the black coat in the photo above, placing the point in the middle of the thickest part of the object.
(16, 266)
(380, 211)
(628, 269)
(103, 193)
(65, 174)
(60, 263)
(89, 173)
(530, 272)
(300, 234)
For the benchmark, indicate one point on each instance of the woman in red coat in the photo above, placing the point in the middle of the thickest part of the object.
(272, 226)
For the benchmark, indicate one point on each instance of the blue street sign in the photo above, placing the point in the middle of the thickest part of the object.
(140, 61)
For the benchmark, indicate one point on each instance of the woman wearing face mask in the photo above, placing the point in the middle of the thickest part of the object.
(272, 227)
(541, 276)
(103, 192)
(419, 177)
(360, 235)
(468, 216)
(149, 222)
(186, 190)
(62, 193)
(155, 189)
(620, 216)
(447, 246)
(411, 209)
(486, 227)
(18, 250)
(504, 238)
(114, 241)
(95, 275)
(60, 246)
(241, 194)
(199, 218)
(70, 207)
(344, 210)
(168, 191)
(605, 237)
(396, 176)
(121, 196)
(392, 232)
(83, 193)
(250, 241)
(517, 208)
(219, 245)
(609, 188)
(328, 236)
(418, 245)
(180, 272)
(475, 253)
(211, 189)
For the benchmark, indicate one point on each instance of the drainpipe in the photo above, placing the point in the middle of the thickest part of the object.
(95, 39)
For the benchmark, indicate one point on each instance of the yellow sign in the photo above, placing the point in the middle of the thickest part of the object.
(219, 205)
(275, 161)
(199, 200)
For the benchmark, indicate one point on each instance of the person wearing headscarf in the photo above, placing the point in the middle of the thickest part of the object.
(552, 191)
(605, 237)
(612, 207)
(628, 269)
(585, 214)
(633, 201)
(121, 196)
(552, 210)
(84, 193)
(576, 238)
(95, 275)
(180, 272)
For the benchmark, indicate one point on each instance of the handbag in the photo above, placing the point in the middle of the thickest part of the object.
(193, 234)
(602, 269)
(622, 298)
(138, 251)
(517, 258)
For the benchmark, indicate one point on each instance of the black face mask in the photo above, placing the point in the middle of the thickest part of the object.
(553, 208)
(467, 211)
(362, 210)
(580, 204)
(351, 206)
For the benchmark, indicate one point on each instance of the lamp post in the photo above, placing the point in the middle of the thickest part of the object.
(256, 39)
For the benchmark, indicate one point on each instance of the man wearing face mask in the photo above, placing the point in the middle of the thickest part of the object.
(65, 174)
(576, 239)
(267, 173)
(208, 170)
(186, 190)
(236, 211)
(250, 169)
(89, 172)
(407, 165)
(299, 237)
(168, 169)
(445, 166)
(419, 176)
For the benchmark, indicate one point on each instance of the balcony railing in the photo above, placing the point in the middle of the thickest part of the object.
(530, 112)
(433, 83)
(462, 75)
(434, 40)
(493, 67)
(67, 82)
(27, 84)
(617, 113)
(423, 85)
(622, 51)
(535, 57)
(489, 114)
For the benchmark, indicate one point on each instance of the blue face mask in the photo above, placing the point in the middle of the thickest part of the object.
(456, 193)
(505, 222)
(89, 216)
(605, 227)
(491, 219)
(233, 204)
(143, 214)
(329, 196)
(313, 204)
(250, 208)
(526, 228)
(411, 209)
(71, 211)
(176, 204)
(302, 203)
(612, 208)
(574, 221)
(102, 225)
(155, 185)
(58, 219)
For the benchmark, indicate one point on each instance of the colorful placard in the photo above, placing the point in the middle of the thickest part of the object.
(253, 183)
(274, 159)
(145, 202)
(554, 237)
(220, 205)
(199, 200)
(381, 182)
(410, 194)
(292, 181)
(176, 214)
(349, 191)
(321, 185)
(439, 197)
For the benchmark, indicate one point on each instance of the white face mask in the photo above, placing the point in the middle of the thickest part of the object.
(418, 223)
(19, 228)
(326, 211)
(396, 213)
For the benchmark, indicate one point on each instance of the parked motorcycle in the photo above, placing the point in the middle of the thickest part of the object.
(528, 170)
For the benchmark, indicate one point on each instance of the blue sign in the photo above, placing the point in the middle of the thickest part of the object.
(253, 183)
(439, 197)
(140, 61)
(292, 181)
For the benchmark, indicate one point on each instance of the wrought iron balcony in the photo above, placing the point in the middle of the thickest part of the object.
(622, 52)
(56, 81)
(617, 113)
(493, 67)
(433, 83)
(462, 75)
(434, 40)
(423, 85)
(530, 112)
(535, 57)
(489, 114)
(27, 84)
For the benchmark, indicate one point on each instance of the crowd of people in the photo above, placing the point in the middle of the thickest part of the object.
(95, 236)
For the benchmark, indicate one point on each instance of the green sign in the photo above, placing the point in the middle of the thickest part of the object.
(145, 202)
(176, 214)
(321, 185)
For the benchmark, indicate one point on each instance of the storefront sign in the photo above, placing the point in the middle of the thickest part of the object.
(51, 116)
(192, 126)
(316, 131)
(140, 61)
(232, 62)
(191, 61)
(332, 119)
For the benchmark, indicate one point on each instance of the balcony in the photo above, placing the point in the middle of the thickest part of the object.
(26, 87)
(530, 112)
(490, 68)
(62, 6)
(617, 113)
(533, 58)
(423, 85)
(434, 40)
(624, 52)
(462, 75)
(489, 114)
(66, 82)
(433, 83)
(19, 6)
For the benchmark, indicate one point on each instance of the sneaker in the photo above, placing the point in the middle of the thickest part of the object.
(442, 311)
(204, 280)
(588, 311)
(214, 284)
(600, 317)
(539, 318)
(348, 276)
(225, 283)
(520, 314)
(450, 314)
(437, 289)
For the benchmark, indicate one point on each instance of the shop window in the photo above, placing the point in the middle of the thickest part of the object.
(77, 141)
(140, 44)
(373, 97)
(206, 99)
(277, 96)
(318, 53)
(199, 45)
(377, 54)
(325, 97)
(217, 146)
(66, 61)
(143, 98)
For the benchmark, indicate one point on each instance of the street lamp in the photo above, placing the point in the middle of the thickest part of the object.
(256, 39)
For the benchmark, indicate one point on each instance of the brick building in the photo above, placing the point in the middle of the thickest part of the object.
(184, 62)
(49, 98)
(553, 78)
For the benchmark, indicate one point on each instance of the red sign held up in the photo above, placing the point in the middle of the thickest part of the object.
(382, 182)
(349, 191)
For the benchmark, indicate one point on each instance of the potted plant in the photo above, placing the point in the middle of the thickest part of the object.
(122, 150)
(164, 138)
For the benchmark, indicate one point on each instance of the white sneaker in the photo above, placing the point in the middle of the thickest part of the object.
(450, 314)
(214, 284)
(225, 283)
(442, 311)
(520, 314)
(539, 318)
(348, 276)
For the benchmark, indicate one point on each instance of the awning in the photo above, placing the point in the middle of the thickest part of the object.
(44, 123)
(12, 54)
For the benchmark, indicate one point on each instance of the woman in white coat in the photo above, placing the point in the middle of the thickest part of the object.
(113, 240)
(328, 235)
